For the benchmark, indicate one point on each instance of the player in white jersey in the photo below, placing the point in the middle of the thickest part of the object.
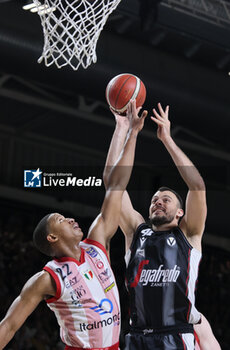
(78, 284)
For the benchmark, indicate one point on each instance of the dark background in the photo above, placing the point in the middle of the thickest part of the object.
(58, 119)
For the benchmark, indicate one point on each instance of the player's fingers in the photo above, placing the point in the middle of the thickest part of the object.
(167, 111)
(144, 114)
(130, 111)
(157, 115)
(133, 107)
(162, 112)
(114, 113)
(129, 107)
(112, 110)
(157, 121)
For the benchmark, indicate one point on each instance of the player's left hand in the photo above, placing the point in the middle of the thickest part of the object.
(136, 122)
(163, 130)
(121, 120)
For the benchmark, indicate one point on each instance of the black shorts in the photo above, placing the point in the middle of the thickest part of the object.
(162, 341)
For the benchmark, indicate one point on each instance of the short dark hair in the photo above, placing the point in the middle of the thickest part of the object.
(164, 188)
(40, 236)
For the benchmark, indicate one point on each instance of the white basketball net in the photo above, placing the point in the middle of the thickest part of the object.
(71, 30)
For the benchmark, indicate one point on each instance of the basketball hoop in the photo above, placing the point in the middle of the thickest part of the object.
(71, 30)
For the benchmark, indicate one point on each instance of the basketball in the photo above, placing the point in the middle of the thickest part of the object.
(123, 88)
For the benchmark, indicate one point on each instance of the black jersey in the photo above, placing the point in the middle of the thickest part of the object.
(162, 270)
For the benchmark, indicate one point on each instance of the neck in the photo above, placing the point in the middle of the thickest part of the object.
(73, 252)
(165, 227)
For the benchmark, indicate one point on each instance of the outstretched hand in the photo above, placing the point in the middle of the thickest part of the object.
(121, 120)
(162, 121)
(136, 122)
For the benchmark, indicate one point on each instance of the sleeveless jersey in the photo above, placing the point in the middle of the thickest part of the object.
(86, 303)
(161, 275)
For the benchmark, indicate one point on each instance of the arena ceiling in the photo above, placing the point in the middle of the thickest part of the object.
(59, 117)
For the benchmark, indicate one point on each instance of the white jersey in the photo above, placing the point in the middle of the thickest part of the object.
(86, 303)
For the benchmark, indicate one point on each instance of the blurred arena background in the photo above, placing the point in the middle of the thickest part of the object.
(58, 121)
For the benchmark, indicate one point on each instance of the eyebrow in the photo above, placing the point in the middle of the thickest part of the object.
(58, 216)
(165, 195)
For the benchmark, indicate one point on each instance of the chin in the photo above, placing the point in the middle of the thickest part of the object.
(160, 220)
(158, 217)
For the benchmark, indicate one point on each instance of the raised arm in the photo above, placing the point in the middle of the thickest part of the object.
(116, 177)
(193, 221)
(129, 217)
(116, 144)
(37, 288)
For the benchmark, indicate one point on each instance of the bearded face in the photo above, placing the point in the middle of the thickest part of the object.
(164, 209)
(161, 220)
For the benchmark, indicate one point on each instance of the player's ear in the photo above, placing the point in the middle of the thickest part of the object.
(180, 213)
(52, 238)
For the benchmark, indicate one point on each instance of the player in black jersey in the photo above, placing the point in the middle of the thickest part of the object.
(162, 258)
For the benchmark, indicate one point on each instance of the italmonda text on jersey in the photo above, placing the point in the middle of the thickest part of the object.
(115, 320)
(91, 181)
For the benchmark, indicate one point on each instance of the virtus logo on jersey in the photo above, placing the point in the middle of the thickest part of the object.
(171, 241)
(159, 277)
